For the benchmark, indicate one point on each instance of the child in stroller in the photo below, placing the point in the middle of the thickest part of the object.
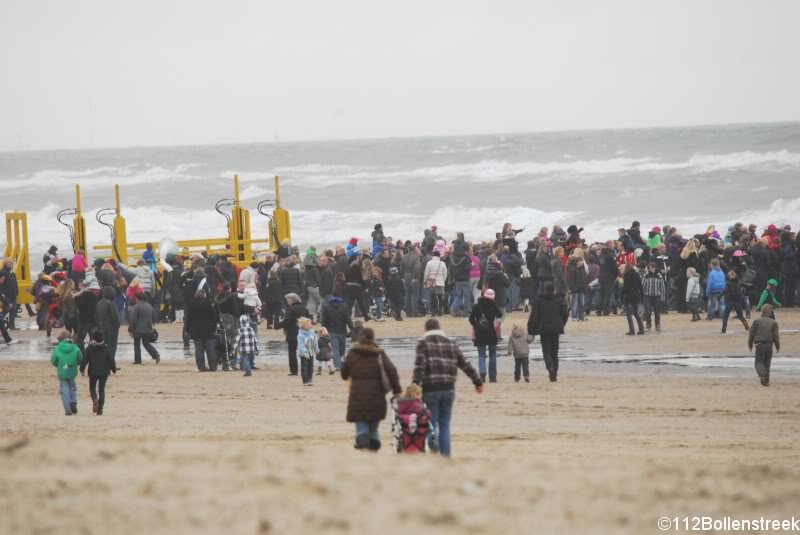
(224, 341)
(411, 423)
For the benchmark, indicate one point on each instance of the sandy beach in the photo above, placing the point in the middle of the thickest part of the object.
(610, 448)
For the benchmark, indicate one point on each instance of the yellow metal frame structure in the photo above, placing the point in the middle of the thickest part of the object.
(79, 224)
(280, 225)
(17, 250)
(238, 246)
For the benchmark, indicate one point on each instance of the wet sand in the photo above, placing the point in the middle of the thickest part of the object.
(606, 449)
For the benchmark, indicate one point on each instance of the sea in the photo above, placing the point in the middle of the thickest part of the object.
(687, 177)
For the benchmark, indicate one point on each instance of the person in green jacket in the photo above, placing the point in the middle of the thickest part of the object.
(768, 297)
(66, 358)
(654, 238)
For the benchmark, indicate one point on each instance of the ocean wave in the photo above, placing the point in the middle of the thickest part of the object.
(488, 171)
(466, 150)
(101, 176)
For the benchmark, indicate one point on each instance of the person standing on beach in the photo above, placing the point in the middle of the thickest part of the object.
(632, 293)
(9, 288)
(201, 324)
(294, 311)
(764, 333)
(107, 319)
(435, 369)
(484, 318)
(549, 315)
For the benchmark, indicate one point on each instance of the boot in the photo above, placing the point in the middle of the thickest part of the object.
(483, 377)
(94, 404)
(374, 445)
(553, 376)
(74, 408)
(746, 325)
(362, 441)
(100, 408)
(319, 370)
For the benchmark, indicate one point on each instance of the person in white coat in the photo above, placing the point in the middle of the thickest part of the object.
(435, 276)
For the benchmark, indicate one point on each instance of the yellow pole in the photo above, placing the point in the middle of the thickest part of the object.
(119, 251)
(277, 192)
(79, 223)
(280, 217)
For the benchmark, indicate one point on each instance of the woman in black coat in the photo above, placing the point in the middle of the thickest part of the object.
(366, 404)
(294, 311)
(101, 363)
(632, 296)
(482, 318)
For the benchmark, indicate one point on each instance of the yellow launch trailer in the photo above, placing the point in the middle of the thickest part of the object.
(18, 251)
(239, 229)
(279, 227)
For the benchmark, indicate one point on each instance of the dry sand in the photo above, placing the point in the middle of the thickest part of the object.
(606, 449)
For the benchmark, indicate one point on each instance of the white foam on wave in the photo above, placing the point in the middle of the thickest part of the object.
(101, 176)
(490, 170)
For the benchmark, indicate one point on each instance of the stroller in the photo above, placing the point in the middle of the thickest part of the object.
(224, 339)
(411, 424)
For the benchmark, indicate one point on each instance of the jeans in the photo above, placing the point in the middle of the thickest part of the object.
(307, 368)
(492, 361)
(651, 306)
(139, 341)
(204, 347)
(314, 301)
(606, 298)
(512, 299)
(69, 393)
(462, 297)
(412, 291)
(715, 300)
(367, 428)
(440, 403)
(549, 343)
(521, 365)
(632, 311)
(338, 341)
(246, 362)
(378, 306)
(93, 384)
(474, 288)
(426, 299)
(576, 305)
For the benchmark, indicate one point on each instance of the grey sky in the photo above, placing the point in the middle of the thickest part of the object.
(108, 73)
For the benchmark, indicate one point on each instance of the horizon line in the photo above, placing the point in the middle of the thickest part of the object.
(434, 136)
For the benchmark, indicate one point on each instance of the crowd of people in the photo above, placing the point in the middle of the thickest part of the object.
(320, 299)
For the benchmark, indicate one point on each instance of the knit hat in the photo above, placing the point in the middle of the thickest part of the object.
(489, 294)
(737, 253)
(772, 282)
(434, 227)
(657, 229)
(353, 241)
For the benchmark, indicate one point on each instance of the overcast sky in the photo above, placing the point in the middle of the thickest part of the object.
(112, 73)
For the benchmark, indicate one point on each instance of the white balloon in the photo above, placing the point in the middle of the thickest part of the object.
(166, 247)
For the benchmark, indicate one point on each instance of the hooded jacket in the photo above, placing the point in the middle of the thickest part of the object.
(66, 357)
(518, 343)
(335, 317)
(291, 281)
(410, 267)
(549, 314)
(107, 316)
(482, 318)
(99, 360)
(307, 343)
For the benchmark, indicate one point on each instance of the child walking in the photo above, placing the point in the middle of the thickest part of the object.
(325, 355)
(101, 363)
(246, 344)
(518, 346)
(66, 358)
(307, 350)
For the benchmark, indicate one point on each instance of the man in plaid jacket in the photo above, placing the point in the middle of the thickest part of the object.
(436, 369)
(246, 343)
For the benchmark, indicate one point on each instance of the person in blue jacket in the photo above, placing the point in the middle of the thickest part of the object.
(352, 248)
(150, 257)
(715, 286)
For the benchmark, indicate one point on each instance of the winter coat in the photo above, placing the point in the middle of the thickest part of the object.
(789, 265)
(107, 315)
(512, 264)
(294, 312)
(653, 240)
(733, 292)
(326, 281)
(141, 318)
(335, 317)
(10, 288)
(250, 297)
(559, 277)
(441, 246)
(410, 267)
(274, 293)
(549, 314)
(518, 343)
(201, 320)
(544, 266)
(632, 288)
(460, 268)
(693, 288)
(351, 250)
(367, 400)
(291, 281)
(715, 284)
(307, 343)
(99, 360)
(496, 279)
(429, 240)
(147, 280)
(66, 357)
(482, 318)
(395, 289)
(475, 267)
(576, 276)
(87, 307)
(435, 270)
